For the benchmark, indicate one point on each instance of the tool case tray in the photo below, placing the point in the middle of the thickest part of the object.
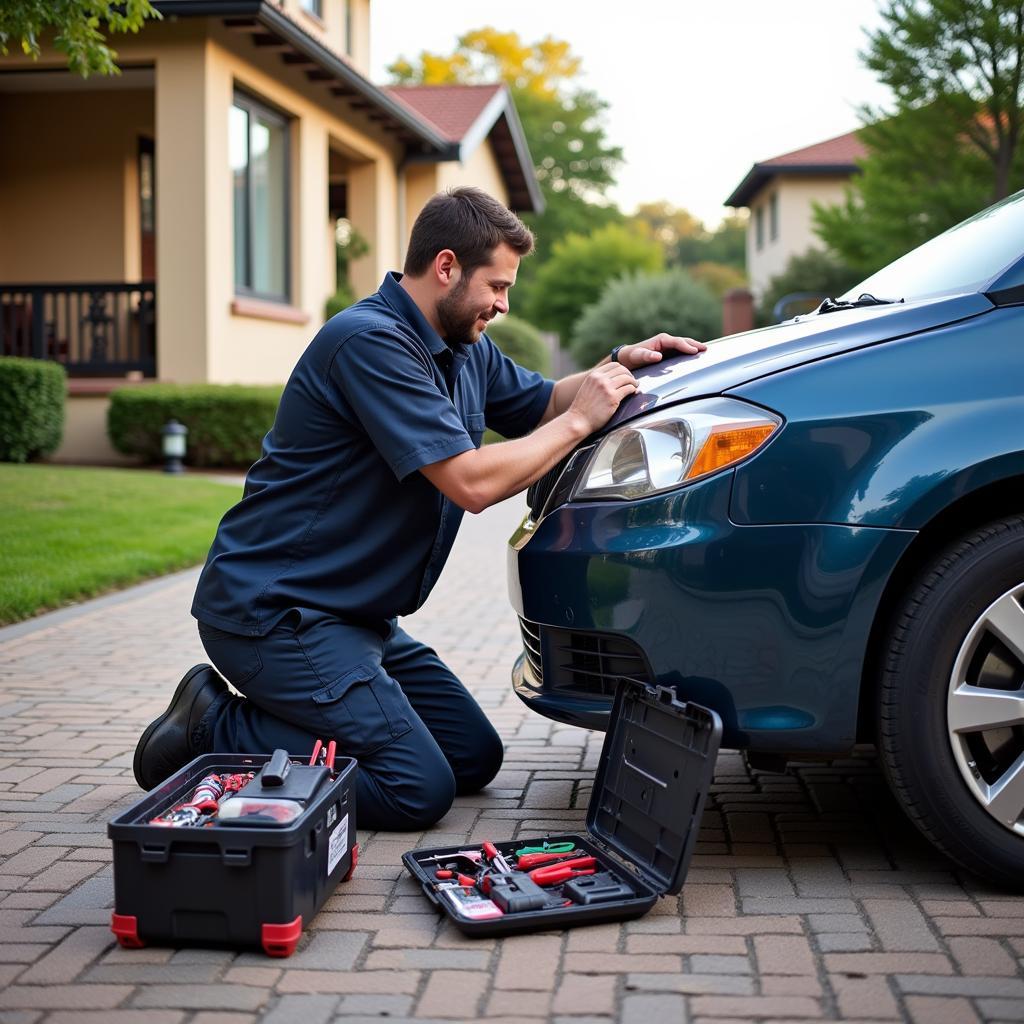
(229, 886)
(643, 818)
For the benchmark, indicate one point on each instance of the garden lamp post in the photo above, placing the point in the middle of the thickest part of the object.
(172, 439)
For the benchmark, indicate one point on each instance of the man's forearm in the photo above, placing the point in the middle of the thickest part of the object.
(500, 470)
(477, 479)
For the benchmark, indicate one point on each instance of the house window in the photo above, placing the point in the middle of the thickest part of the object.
(773, 217)
(258, 145)
(348, 27)
(759, 227)
(315, 7)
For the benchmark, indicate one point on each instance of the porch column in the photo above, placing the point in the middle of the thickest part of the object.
(373, 211)
(184, 114)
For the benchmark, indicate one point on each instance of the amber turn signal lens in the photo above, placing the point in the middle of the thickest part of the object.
(727, 444)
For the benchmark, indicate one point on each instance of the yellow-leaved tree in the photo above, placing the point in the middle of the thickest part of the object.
(563, 123)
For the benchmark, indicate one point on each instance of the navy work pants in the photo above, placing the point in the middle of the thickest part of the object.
(389, 701)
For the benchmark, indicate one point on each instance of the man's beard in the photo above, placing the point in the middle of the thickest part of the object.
(457, 319)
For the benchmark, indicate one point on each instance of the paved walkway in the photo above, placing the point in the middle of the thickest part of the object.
(809, 897)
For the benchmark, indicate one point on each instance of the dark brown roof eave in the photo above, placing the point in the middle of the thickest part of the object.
(278, 23)
(760, 174)
(524, 160)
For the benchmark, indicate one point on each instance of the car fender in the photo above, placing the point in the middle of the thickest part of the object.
(891, 435)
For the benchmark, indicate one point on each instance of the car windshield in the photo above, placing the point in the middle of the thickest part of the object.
(961, 259)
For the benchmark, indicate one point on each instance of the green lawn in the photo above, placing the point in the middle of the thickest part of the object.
(68, 533)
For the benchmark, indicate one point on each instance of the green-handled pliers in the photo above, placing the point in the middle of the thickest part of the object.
(547, 847)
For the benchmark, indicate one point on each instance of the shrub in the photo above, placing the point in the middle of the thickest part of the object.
(638, 306)
(349, 245)
(32, 394)
(522, 343)
(341, 299)
(579, 268)
(226, 422)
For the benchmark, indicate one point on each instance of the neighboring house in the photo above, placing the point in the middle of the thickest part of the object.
(177, 222)
(780, 194)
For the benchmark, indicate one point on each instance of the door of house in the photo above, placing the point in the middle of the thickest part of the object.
(147, 207)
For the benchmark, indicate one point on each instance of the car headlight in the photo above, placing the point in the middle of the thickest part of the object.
(674, 447)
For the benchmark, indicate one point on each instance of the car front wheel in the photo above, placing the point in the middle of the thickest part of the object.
(951, 707)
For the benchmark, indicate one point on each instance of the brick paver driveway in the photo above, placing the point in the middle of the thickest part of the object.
(809, 897)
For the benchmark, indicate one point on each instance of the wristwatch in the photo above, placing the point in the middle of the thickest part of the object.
(615, 353)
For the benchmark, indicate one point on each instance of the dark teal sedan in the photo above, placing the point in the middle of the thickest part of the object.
(817, 530)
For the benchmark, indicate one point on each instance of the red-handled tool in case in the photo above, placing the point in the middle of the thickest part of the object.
(555, 873)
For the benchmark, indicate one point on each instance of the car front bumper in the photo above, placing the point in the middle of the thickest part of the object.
(767, 625)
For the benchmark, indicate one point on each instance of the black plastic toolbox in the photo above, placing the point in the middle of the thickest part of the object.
(231, 886)
(643, 817)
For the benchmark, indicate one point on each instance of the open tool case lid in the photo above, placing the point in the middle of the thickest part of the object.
(655, 771)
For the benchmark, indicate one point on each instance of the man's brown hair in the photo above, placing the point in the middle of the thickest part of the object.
(470, 223)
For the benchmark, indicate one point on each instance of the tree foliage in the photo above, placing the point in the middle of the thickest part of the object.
(578, 270)
(687, 241)
(349, 245)
(78, 28)
(521, 342)
(639, 305)
(952, 144)
(563, 123)
(718, 278)
(543, 69)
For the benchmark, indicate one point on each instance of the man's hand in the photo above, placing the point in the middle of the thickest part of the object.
(601, 392)
(644, 353)
(477, 479)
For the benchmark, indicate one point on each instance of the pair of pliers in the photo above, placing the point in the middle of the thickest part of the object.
(534, 860)
(563, 871)
(547, 847)
(324, 755)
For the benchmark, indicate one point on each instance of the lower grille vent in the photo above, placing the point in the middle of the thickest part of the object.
(578, 662)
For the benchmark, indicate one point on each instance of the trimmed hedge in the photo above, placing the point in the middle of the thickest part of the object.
(226, 422)
(521, 342)
(32, 395)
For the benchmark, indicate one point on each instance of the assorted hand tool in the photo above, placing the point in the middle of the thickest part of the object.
(642, 823)
(274, 796)
(486, 883)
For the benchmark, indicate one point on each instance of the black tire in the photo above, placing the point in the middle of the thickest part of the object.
(929, 628)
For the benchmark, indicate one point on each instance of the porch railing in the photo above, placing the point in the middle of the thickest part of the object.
(94, 330)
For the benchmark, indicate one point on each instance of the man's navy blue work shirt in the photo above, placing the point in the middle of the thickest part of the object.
(335, 516)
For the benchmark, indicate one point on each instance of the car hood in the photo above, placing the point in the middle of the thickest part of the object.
(740, 358)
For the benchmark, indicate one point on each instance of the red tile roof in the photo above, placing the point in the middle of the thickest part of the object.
(451, 109)
(836, 156)
(842, 150)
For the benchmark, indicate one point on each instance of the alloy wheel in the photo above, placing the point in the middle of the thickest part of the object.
(985, 710)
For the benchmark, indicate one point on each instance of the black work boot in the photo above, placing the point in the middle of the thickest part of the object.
(168, 743)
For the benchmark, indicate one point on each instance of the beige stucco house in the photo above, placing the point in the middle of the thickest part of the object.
(178, 222)
(780, 194)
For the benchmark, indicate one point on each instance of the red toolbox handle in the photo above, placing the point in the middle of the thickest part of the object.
(281, 939)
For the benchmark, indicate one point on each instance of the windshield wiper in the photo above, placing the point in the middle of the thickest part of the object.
(864, 299)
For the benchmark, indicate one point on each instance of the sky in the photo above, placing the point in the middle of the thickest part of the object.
(697, 91)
